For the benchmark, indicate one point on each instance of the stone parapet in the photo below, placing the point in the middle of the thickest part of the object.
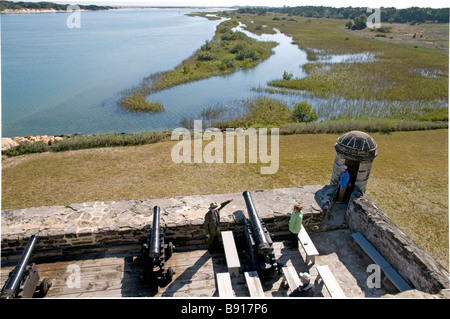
(416, 266)
(121, 222)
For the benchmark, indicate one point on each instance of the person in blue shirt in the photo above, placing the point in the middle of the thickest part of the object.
(343, 183)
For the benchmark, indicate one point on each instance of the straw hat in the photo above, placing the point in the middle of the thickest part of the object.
(213, 205)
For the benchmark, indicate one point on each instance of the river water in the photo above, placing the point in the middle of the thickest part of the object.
(59, 80)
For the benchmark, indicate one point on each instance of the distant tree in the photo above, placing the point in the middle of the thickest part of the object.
(390, 15)
(350, 13)
(349, 24)
(303, 112)
(360, 22)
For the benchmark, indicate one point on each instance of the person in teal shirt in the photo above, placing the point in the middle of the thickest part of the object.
(295, 224)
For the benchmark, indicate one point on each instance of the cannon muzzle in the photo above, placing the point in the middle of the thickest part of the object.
(258, 230)
(23, 282)
(12, 285)
(155, 241)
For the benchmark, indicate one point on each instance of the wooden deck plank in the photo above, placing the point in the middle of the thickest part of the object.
(254, 284)
(231, 254)
(330, 281)
(224, 285)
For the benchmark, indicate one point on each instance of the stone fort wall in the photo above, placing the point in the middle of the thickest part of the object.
(81, 227)
(99, 223)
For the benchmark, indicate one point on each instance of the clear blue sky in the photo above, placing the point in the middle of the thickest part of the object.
(292, 3)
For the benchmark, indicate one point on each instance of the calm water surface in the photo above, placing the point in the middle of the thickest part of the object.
(57, 80)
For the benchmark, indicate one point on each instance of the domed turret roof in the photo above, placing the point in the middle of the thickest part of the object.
(357, 145)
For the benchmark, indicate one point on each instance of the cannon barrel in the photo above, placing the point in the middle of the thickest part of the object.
(155, 252)
(155, 242)
(258, 230)
(12, 285)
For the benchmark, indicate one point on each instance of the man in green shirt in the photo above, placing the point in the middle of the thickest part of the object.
(295, 224)
(211, 224)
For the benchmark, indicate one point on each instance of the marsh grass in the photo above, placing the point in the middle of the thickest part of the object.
(390, 76)
(259, 112)
(78, 142)
(263, 112)
(337, 116)
(27, 148)
(368, 81)
(370, 125)
(334, 106)
(138, 103)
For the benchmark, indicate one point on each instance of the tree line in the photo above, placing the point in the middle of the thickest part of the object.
(408, 15)
(4, 5)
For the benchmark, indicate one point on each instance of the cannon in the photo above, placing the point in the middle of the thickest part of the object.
(155, 253)
(23, 282)
(258, 242)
